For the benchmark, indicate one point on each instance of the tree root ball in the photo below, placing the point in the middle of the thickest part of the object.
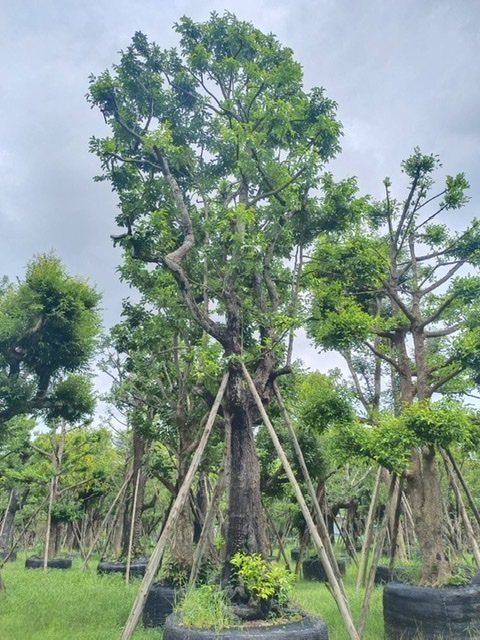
(313, 569)
(159, 604)
(411, 611)
(137, 567)
(383, 574)
(309, 628)
(35, 562)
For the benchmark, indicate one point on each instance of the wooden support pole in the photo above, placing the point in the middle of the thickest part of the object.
(338, 592)
(104, 522)
(5, 515)
(463, 512)
(466, 490)
(132, 527)
(49, 524)
(396, 522)
(182, 496)
(368, 537)
(207, 525)
(322, 527)
(24, 528)
(377, 552)
(281, 544)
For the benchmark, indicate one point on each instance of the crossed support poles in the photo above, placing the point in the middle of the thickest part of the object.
(321, 540)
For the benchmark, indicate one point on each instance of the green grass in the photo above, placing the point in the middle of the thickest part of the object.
(65, 604)
(71, 605)
(316, 598)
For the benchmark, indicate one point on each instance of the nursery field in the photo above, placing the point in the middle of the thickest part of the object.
(71, 605)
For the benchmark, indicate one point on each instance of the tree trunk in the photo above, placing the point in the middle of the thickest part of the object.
(425, 495)
(182, 543)
(245, 527)
(8, 520)
(130, 512)
(56, 531)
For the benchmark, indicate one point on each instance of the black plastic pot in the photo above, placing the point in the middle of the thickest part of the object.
(295, 554)
(306, 629)
(159, 604)
(137, 567)
(382, 574)
(35, 562)
(313, 569)
(411, 612)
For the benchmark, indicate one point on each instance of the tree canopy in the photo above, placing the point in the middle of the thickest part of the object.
(48, 328)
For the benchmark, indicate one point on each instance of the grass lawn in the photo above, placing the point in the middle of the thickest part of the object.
(71, 605)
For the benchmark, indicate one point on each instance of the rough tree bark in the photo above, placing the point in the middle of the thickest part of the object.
(245, 526)
(138, 473)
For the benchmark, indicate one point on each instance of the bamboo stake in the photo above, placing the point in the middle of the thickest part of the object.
(5, 515)
(278, 537)
(377, 552)
(311, 490)
(182, 496)
(104, 522)
(78, 535)
(132, 528)
(49, 522)
(207, 525)
(463, 512)
(367, 541)
(339, 594)
(396, 523)
(470, 499)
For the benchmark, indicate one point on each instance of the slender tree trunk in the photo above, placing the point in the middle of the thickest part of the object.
(117, 526)
(8, 519)
(133, 510)
(368, 537)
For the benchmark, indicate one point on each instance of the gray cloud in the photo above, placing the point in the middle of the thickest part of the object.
(404, 73)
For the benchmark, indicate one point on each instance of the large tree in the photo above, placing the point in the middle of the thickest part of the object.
(215, 147)
(405, 287)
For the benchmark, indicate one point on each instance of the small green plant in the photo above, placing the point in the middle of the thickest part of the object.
(262, 580)
(205, 607)
(175, 573)
(457, 579)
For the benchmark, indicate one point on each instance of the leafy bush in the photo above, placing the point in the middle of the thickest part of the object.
(262, 580)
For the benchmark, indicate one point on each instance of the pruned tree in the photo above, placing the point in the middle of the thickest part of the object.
(214, 151)
(404, 286)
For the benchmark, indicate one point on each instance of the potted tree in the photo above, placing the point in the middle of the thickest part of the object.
(215, 147)
(405, 289)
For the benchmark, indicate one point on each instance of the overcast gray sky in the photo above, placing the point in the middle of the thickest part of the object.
(404, 73)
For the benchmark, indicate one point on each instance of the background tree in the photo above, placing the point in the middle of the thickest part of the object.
(75, 469)
(15, 452)
(168, 382)
(48, 327)
(400, 287)
(215, 147)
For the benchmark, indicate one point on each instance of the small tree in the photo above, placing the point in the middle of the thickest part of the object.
(48, 326)
(215, 147)
(399, 287)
